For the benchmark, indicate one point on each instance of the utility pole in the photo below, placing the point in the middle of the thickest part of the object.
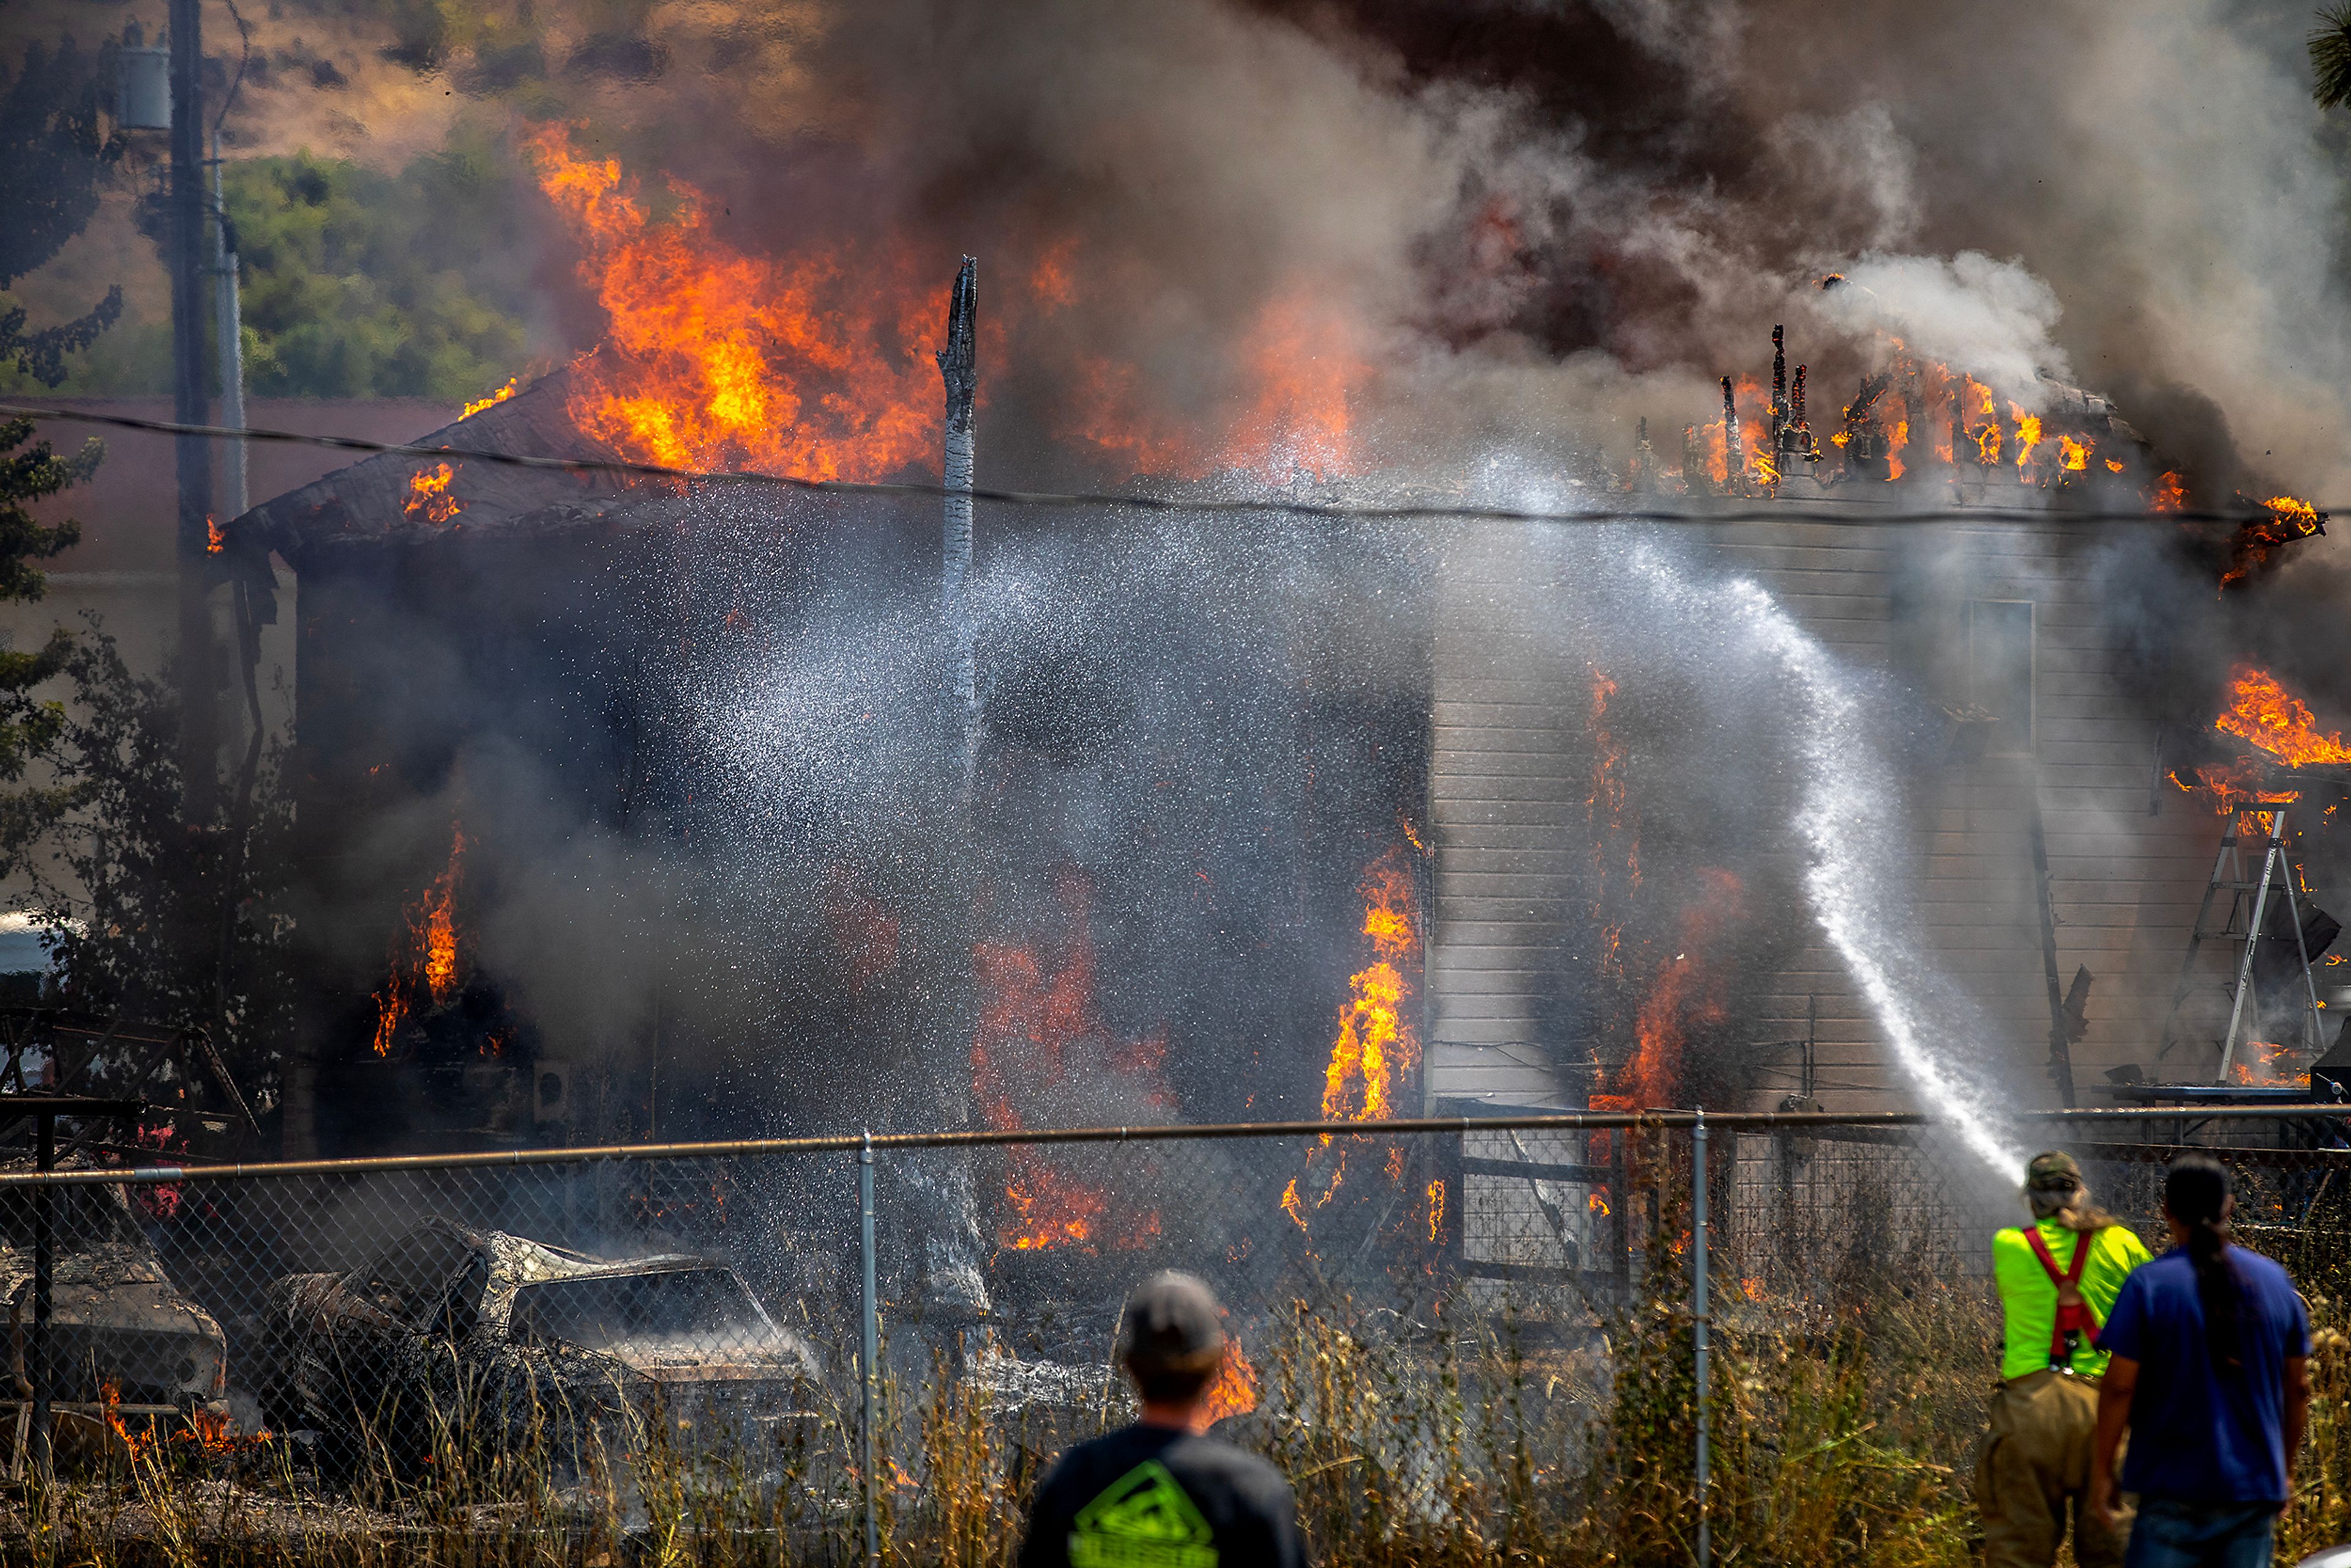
(231, 331)
(199, 663)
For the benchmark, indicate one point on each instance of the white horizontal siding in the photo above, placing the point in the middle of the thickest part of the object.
(1510, 777)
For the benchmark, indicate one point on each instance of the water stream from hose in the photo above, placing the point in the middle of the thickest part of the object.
(1850, 823)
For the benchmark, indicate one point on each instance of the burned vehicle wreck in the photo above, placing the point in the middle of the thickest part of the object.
(124, 1342)
(499, 1344)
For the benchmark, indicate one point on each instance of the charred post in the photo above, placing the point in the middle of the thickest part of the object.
(953, 1243)
(1868, 446)
(1799, 429)
(1694, 478)
(1732, 463)
(959, 369)
(1780, 416)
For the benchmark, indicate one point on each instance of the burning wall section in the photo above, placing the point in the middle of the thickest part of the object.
(1597, 818)
(715, 720)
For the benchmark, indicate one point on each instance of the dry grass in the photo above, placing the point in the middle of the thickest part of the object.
(1845, 1419)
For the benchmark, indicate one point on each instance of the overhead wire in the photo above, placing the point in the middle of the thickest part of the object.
(236, 84)
(1277, 505)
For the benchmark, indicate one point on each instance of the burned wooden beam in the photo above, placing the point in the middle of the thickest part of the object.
(959, 370)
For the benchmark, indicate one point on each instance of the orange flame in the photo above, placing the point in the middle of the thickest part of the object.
(391, 1012)
(1975, 401)
(1036, 1033)
(424, 961)
(1435, 1208)
(2234, 786)
(2287, 509)
(1306, 365)
(2263, 713)
(109, 1400)
(805, 364)
(2256, 541)
(2075, 455)
(441, 925)
(1049, 1208)
(2170, 494)
(1292, 1206)
(492, 400)
(1376, 1049)
(2263, 1065)
(1615, 841)
(214, 1432)
(215, 541)
(428, 494)
(1687, 991)
(1234, 1390)
(2028, 435)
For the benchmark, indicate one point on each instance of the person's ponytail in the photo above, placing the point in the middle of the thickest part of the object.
(2196, 1193)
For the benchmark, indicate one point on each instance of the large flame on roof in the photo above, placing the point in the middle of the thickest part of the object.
(809, 363)
(817, 364)
(1300, 368)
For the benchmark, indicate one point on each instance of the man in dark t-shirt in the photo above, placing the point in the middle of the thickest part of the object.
(1160, 1493)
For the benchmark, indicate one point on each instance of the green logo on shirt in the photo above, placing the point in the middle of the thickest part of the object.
(1144, 1520)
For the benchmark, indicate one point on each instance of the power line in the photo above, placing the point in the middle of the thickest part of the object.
(1422, 511)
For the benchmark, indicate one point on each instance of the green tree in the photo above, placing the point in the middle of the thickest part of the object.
(55, 152)
(146, 917)
(359, 284)
(2330, 56)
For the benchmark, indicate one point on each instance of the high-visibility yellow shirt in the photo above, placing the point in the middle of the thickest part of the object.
(2028, 1297)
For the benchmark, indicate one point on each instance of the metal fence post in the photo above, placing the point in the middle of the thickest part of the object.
(867, 1371)
(45, 1263)
(1698, 1316)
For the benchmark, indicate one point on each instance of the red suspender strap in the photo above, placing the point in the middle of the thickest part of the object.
(2073, 1314)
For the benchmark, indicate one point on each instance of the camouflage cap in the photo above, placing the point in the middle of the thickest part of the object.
(2052, 1172)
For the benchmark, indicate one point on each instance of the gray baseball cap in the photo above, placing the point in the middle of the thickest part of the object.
(1173, 1325)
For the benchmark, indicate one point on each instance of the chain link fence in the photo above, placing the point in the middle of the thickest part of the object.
(1462, 1338)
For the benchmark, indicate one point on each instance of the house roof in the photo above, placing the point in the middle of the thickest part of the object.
(374, 500)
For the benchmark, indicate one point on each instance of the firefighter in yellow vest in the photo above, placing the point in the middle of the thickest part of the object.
(2058, 1277)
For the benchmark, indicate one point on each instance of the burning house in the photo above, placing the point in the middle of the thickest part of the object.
(2051, 885)
(503, 670)
(1199, 821)
(638, 807)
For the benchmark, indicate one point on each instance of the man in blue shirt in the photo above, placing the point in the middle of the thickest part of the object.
(2210, 1372)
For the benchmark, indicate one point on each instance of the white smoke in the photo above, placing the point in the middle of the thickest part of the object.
(1993, 319)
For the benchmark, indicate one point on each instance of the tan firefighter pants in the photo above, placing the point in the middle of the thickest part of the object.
(2035, 1466)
